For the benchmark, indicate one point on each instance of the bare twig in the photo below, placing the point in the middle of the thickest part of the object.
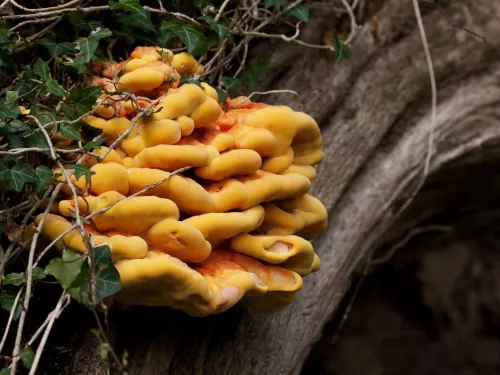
(221, 10)
(46, 135)
(53, 316)
(29, 280)
(62, 6)
(11, 317)
(42, 20)
(354, 25)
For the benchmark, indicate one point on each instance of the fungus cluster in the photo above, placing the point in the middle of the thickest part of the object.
(235, 225)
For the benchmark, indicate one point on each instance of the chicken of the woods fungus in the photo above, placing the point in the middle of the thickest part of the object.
(236, 224)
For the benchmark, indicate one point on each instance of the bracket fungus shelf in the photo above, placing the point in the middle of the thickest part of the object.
(235, 225)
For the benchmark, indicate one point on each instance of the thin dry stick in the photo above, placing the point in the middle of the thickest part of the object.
(42, 20)
(62, 6)
(354, 25)
(11, 317)
(29, 280)
(221, 9)
(54, 315)
(46, 135)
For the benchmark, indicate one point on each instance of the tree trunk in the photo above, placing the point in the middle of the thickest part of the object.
(374, 110)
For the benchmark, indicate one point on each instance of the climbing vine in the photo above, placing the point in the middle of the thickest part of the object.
(47, 52)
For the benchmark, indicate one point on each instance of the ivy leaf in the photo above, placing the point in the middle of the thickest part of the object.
(342, 51)
(13, 278)
(19, 175)
(87, 47)
(99, 33)
(7, 64)
(86, 96)
(80, 170)
(271, 3)
(107, 277)
(7, 299)
(229, 82)
(253, 72)
(71, 132)
(8, 106)
(41, 69)
(27, 356)
(44, 175)
(65, 269)
(54, 88)
(141, 20)
(129, 5)
(4, 171)
(164, 37)
(54, 48)
(38, 274)
(221, 29)
(74, 289)
(300, 11)
(137, 17)
(221, 94)
(192, 38)
(94, 144)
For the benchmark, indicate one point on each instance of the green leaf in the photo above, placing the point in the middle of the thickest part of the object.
(229, 82)
(38, 274)
(71, 132)
(41, 69)
(8, 106)
(99, 33)
(342, 51)
(138, 16)
(192, 38)
(54, 88)
(27, 357)
(107, 277)
(5, 371)
(221, 29)
(65, 269)
(129, 5)
(164, 37)
(300, 11)
(7, 64)
(19, 175)
(254, 71)
(140, 21)
(86, 48)
(44, 175)
(54, 48)
(86, 96)
(272, 3)
(221, 94)
(13, 278)
(74, 289)
(80, 170)
(94, 144)
(7, 299)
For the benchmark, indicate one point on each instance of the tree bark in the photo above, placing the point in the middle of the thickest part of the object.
(375, 115)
